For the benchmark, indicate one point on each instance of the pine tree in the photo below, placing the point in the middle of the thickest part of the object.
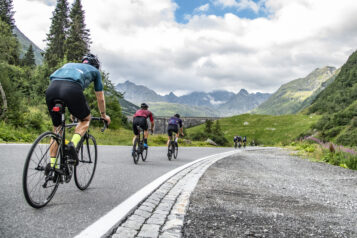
(56, 39)
(6, 12)
(78, 38)
(208, 126)
(29, 58)
(9, 46)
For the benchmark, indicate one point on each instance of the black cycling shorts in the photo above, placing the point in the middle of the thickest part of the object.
(71, 94)
(172, 128)
(141, 122)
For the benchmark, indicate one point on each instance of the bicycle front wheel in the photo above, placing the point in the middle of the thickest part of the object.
(176, 151)
(87, 155)
(134, 153)
(144, 154)
(39, 180)
(170, 150)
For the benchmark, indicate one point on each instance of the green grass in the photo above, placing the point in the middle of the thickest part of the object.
(125, 137)
(264, 129)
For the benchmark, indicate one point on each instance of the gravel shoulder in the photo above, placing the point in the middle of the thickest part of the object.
(269, 193)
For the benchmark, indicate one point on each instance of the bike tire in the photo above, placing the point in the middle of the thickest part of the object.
(37, 159)
(175, 151)
(169, 151)
(144, 154)
(135, 152)
(88, 156)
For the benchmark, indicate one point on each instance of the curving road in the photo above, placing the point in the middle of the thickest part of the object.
(72, 210)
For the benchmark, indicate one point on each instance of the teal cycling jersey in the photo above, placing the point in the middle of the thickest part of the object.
(80, 73)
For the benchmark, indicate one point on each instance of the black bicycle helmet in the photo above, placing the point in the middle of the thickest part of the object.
(91, 59)
(144, 106)
(177, 115)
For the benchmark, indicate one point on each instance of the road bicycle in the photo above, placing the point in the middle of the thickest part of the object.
(237, 144)
(40, 180)
(138, 147)
(172, 147)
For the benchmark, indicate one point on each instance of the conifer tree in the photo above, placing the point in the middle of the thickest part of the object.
(29, 58)
(7, 13)
(78, 40)
(57, 36)
(9, 46)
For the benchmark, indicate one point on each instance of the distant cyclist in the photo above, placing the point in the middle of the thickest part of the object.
(140, 119)
(67, 84)
(244, 141)
(175, 124)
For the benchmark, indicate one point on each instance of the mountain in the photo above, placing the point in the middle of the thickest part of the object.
(170, 109)
(25, 44)
(297, 94)
(338, 105)
(127, 107)
(243, 102)
(138, 93)
(215, 103)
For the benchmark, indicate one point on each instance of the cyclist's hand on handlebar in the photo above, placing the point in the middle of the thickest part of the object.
(106, 118)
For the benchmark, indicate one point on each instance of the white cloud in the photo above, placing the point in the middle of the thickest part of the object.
(139, 40)
(203, 8)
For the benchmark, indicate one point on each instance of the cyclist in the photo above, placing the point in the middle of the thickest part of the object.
(244, 140)
(237, 140)
(67, 84)
(174, 124)
(140, 119)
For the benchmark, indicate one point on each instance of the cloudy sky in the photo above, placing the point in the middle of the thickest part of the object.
(205, 45)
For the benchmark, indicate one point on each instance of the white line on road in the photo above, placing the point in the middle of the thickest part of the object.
(107, 222)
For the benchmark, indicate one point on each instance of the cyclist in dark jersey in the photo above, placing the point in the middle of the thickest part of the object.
(140, 119)
(67, 84)
(175, 123)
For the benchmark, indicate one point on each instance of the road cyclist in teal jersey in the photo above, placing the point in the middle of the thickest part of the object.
(67, 84)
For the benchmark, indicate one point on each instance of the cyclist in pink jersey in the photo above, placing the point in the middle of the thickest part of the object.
(140, 119)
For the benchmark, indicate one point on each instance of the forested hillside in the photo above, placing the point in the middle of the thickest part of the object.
(338, 105)
(23, 111)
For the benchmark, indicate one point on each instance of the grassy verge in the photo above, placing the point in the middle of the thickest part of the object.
(10, 134)
(317, 153)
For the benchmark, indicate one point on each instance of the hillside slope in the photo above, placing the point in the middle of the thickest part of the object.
(264, 129)
(338, 105)
(297, 94)
(25, 44)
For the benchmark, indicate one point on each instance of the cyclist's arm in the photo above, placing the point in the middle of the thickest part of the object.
(152, 122)
(101, 105)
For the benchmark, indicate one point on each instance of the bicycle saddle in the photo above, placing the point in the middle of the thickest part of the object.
(59, 106)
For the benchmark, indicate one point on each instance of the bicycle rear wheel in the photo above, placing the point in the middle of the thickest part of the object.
(87, 155)
(135, 152)
(40, 181)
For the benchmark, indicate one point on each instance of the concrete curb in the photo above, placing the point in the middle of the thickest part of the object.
(108, 223)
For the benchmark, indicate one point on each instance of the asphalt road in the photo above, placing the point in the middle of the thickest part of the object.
(72, 210)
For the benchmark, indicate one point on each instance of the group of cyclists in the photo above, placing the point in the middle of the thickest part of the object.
(68, 83)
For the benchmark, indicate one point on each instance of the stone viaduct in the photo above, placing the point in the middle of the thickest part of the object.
(161, 122)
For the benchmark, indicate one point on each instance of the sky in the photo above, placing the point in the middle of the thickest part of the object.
(205, 45)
